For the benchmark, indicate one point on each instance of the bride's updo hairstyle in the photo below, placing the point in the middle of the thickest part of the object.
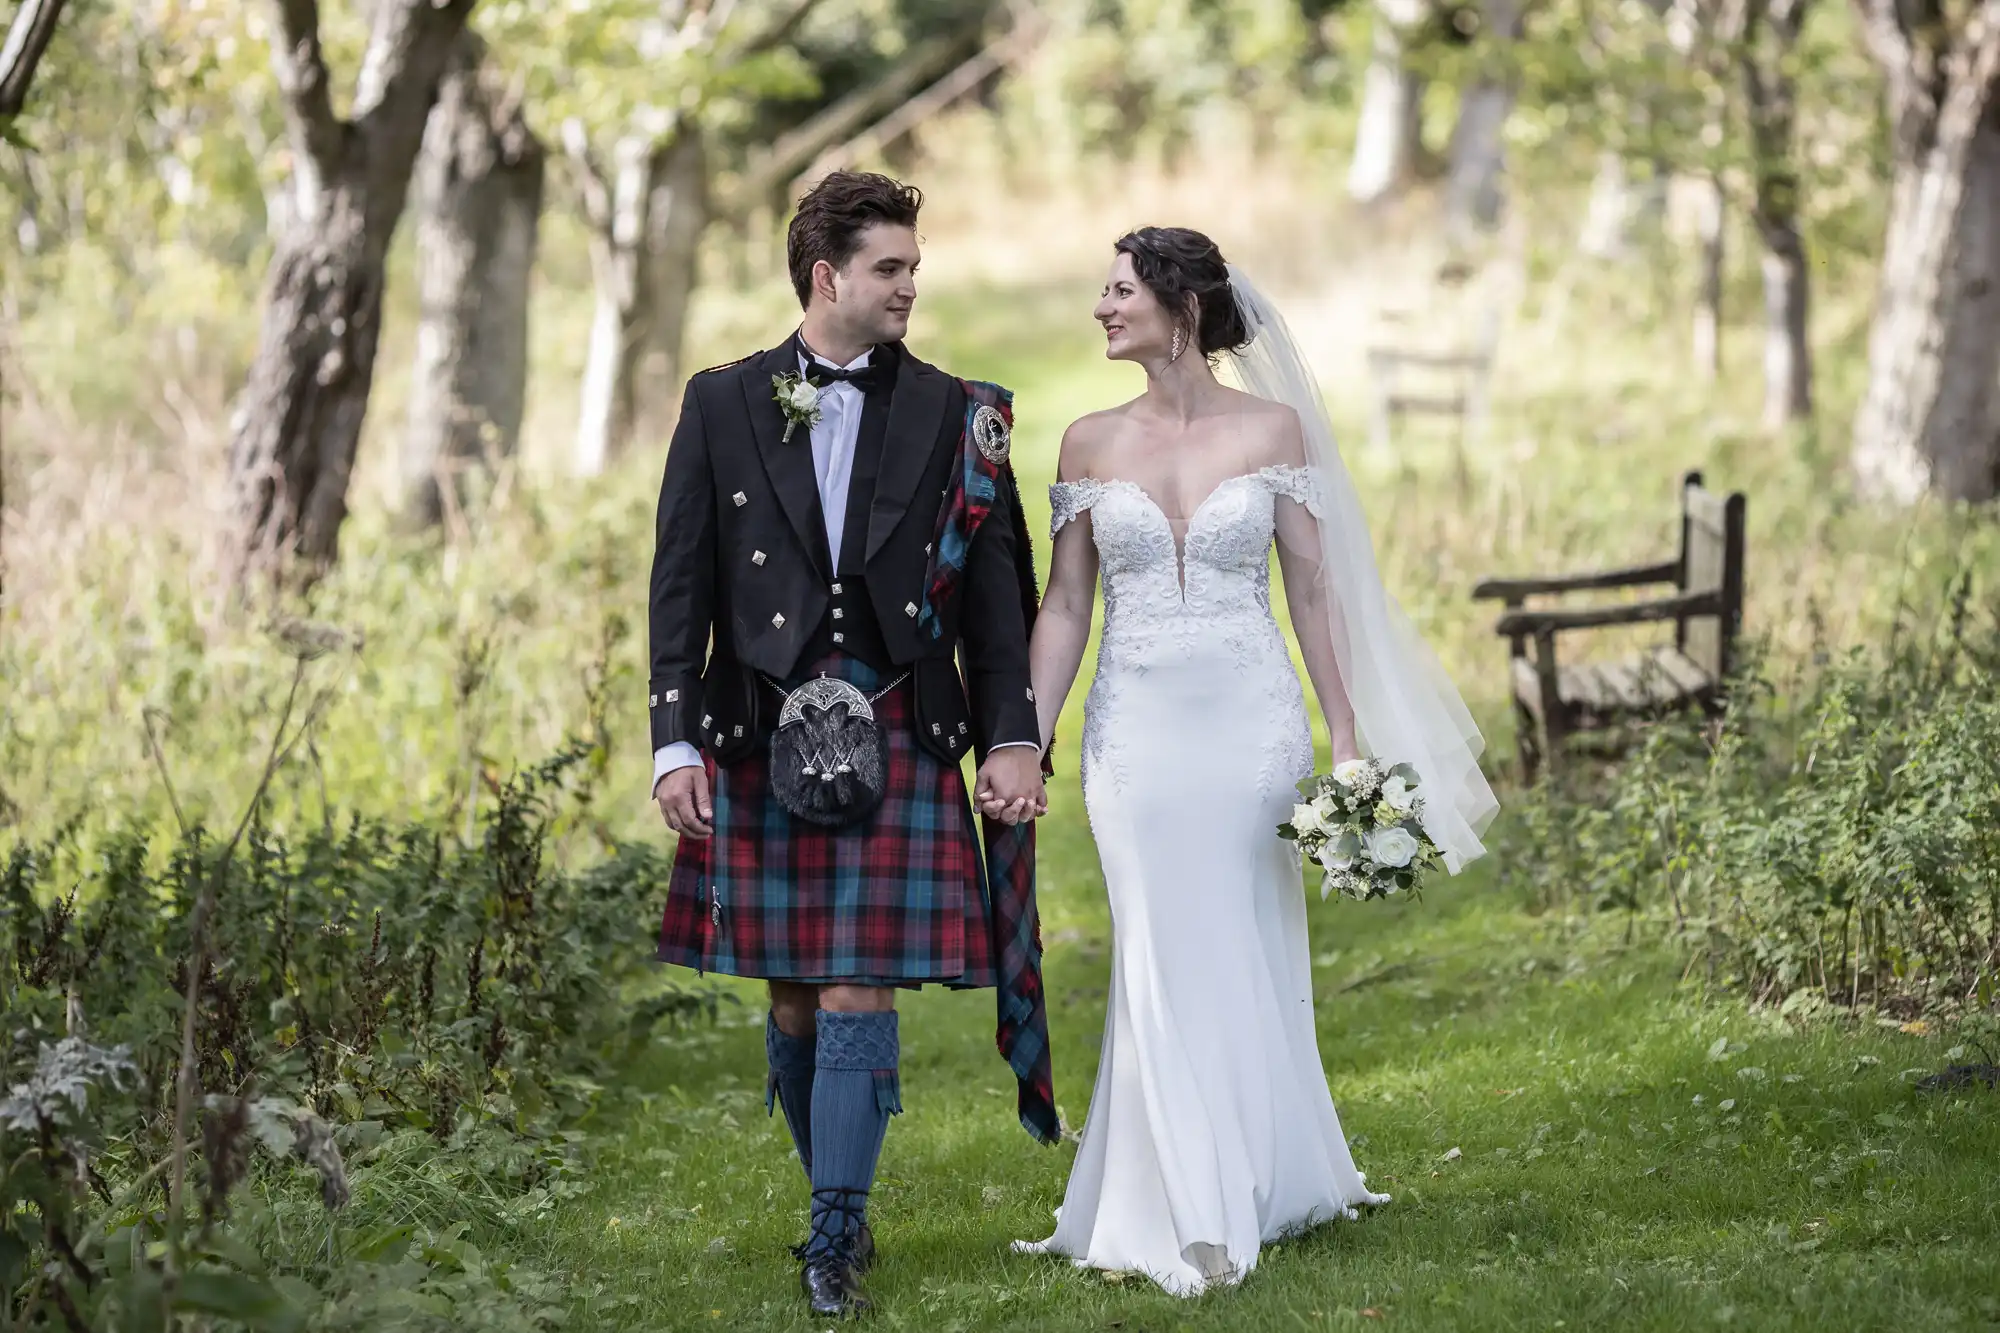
(1178, 262)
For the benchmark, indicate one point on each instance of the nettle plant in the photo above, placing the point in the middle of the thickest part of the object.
(363, 1006)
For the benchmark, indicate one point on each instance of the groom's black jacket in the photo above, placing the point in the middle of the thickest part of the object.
(742, 583)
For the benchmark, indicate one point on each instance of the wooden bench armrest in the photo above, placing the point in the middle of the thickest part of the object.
(1505, 590)
(1517, 623)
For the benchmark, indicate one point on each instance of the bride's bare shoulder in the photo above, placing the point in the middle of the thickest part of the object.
(1084, 443)
(1276, 437)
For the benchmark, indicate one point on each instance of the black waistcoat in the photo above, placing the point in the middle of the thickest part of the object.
(849, 625)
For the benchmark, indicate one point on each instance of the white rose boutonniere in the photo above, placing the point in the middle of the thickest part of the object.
(798, 399)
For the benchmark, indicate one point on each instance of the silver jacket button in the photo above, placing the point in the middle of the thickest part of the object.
(910, 610)
(741, 499)
(778, 621)
(756, 557)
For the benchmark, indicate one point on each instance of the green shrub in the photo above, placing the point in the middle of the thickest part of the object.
(421, 1022)
(1840, 846)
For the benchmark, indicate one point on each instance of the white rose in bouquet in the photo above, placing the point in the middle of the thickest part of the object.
(1307, 820)
(1392, 847)
(1350, 771)
(1331, 857)
(1399, 795)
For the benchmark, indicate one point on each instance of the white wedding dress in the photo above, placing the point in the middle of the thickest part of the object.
(1211, 1130)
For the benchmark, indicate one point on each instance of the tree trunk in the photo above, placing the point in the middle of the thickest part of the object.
(1621, 204)
(619, 263)
(298, 421)
(1708, 287)
(28, 37)
(1927, 419)
(1788, 374)
(1389, 141)
(1770, 93)
(479, 196)
(1475, 189)
(677, 215)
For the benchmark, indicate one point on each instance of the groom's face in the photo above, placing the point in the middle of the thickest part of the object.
(872, 294)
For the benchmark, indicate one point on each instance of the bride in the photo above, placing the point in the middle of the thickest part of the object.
(1211, 1130)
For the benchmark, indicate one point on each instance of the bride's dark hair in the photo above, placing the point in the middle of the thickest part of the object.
(1178, 262)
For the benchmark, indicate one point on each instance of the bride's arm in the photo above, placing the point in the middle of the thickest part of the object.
(1062, 626)
(1315, 619)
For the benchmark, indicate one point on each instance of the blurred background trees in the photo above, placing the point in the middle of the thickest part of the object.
(274, 138)
(219, 332)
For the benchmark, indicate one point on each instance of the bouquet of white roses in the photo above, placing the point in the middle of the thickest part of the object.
(1363, 824)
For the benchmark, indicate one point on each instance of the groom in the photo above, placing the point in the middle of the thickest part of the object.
(866, 529)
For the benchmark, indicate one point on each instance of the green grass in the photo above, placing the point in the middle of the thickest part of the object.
(1633, 1155)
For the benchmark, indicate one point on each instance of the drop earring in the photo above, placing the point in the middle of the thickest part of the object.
(1179, 345)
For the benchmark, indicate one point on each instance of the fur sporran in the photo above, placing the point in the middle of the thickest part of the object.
(829, 757)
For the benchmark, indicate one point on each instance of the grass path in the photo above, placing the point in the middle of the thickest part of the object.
(1628, 1155)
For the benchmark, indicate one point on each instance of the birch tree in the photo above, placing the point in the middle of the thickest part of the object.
(1927, 420)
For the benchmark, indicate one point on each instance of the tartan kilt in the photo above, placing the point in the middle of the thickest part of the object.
(898, 899)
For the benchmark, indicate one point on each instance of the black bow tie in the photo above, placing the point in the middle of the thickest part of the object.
(869, 378)
(878, 376)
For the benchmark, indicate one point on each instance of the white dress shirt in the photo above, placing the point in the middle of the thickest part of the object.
(833, 440)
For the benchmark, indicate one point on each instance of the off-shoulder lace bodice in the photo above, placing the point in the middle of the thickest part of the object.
(1205, 597)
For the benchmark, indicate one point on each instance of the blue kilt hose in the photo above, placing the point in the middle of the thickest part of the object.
(897, 899)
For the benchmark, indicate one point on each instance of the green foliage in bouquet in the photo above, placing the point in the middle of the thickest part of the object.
(1363, 825)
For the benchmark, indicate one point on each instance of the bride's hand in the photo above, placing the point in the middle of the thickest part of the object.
(1009, 787)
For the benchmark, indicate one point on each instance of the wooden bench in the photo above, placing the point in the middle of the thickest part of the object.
(1554, 701)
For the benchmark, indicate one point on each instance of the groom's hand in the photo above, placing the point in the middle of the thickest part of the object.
(683, 798)
(1009, 788)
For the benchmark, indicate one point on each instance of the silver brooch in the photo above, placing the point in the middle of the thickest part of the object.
(989, 433)
(823, 692)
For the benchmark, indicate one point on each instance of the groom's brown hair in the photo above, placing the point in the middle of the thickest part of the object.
(833, 214)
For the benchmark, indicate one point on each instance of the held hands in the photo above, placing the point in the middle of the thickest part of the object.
(1009, 787)
(684, 803)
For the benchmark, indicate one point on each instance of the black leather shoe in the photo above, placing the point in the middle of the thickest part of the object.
(864, 1249)
(831, 1286)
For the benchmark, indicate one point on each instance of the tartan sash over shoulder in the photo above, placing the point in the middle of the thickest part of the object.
(1023, 1032)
